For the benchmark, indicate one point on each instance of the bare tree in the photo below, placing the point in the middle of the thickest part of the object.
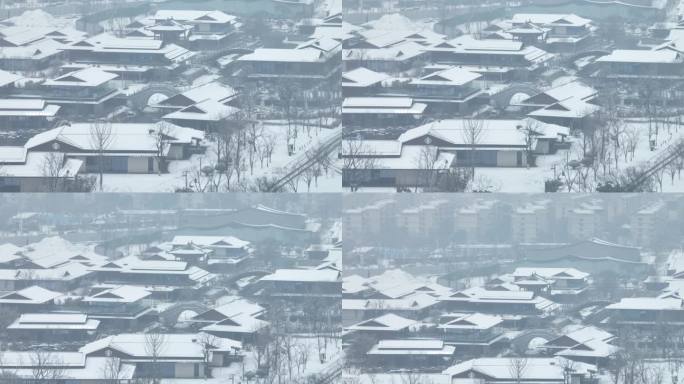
(631, 141)
(412, 378)
(358, 160)
(530, 132)
(269, 142)
(155, 344)
(161, 135)
(100, 139)
(53, 163)
(111, 371)
(517, 366)
(428, 167)
(254, 132)
(46, 366)
(208, 342)
(473, 131)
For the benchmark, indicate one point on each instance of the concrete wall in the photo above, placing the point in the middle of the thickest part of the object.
(507, 158)
(138, 165)
(175, 152)
(185, 370)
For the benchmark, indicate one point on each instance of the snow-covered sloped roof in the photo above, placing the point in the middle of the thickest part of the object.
(494, 132)
(33, 165)
(451, 76)
(304, 55)
(207, 110)
(30, 295)
(178, 346)
(303, 275)
(87, 77)
(399, 52)
(387, 322)
(536, 368)
(7, 78)
(55, 321)
(210, 17)
(119, 294)
(362, 77)
(641, 56)
(412, 347)
(124, 137)
(69, 366)
(570, 20)
(551, 273)
(647, 304)
(213, 90)
(474, 321)
(210, 241)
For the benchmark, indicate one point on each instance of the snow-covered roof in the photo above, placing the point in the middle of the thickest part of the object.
(132, 137)
(551, 273)
(210, 17)
(412, 347)
(387, 322)
(233, 306)
(7, 78)
(399, 52)
(35, 51)
(413, 157)
(473, 321)
(87, 77)
(112, 44)
(482, 295)
(120, 294)
(303, 275)
(305, 55)
(69, 366)
(210, 241)
(451, 76)
(8, 251)
(569, 108)
(412, 302)
(207, 110)
(30, 295)
(54, 321)
(586, 333)
(387, 105)
(362, 77)
(590, 348)
(33, 165)
(172, 345)
(324, 44)
(536, 368)
(213, 90)
(238, 323)
(569, 20)
(494, 132)
(468, 44)
(573, 89)
(66, 272)
(27, 359)
(27, 108)
(647, 304)
(641, 56)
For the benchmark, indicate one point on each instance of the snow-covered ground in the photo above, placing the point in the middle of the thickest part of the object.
(234, 373)
(523, 180)
(280, 162)
(395, 378)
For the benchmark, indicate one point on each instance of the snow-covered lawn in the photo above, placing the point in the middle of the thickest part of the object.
(280, 164)
(521, 180)
(313, 364)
